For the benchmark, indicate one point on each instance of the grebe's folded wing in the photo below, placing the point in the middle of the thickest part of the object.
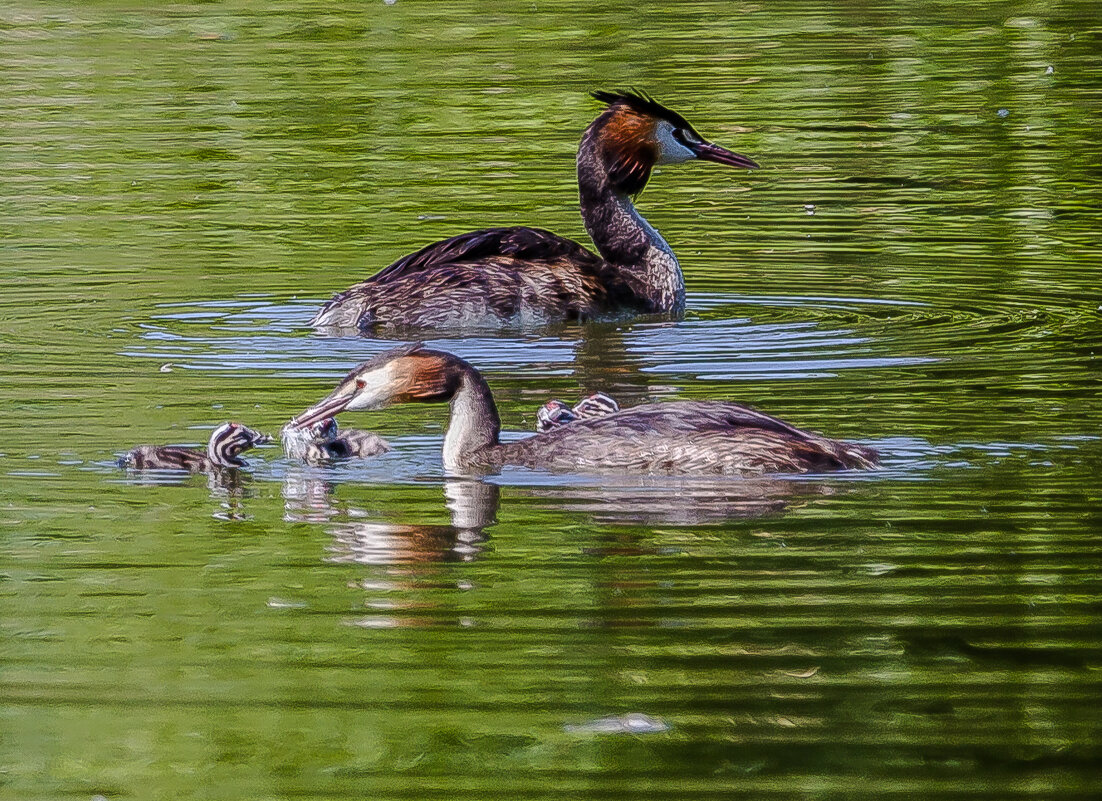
(519, 243)
(679, 417)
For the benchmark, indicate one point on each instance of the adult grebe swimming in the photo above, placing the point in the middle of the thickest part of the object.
(227, 443)
(516, 275)
(678, 437)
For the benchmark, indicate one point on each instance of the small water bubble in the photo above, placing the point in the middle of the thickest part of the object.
(166, 367)
(1003, 113)
(283, 603)
(631, 723)
(809, 208)
(375, 623)
(1049, 70)
(879, 569)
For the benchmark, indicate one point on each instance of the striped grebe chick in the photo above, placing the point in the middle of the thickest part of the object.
(675, 437)
(520, 275)
(227, 443)
(555, 413)
(322, 442)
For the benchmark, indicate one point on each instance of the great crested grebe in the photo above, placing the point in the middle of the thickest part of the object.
(555, 413)
(322, 442)
(676, 437)
(227, 443)
(524, 275)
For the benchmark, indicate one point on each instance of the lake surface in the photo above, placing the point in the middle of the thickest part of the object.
(916, 267)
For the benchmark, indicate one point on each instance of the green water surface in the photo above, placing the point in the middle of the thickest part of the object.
(916, 266)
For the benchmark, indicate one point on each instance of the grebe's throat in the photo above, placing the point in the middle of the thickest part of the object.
(474, 424)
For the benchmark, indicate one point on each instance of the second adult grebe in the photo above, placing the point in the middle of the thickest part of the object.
(676, 437)
(518, 275)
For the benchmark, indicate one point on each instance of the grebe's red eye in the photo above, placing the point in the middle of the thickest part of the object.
(360, 383)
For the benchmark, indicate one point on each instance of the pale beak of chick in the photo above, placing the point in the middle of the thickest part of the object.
(721, 155)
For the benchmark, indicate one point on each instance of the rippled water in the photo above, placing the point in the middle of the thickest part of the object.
(915, 267)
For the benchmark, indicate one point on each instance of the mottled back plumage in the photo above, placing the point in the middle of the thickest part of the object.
(500, 276)
(682, 437)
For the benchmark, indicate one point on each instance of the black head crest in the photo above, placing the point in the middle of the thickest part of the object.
(642, 103)
(394, 353)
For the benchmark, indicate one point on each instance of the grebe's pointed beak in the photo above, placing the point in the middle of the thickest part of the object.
(331, 406)
(721, 155)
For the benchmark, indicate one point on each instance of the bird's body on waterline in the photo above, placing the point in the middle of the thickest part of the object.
(529, 276)
(676, 437)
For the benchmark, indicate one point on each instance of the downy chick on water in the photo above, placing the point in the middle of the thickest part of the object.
(323, 442)
(224, 449)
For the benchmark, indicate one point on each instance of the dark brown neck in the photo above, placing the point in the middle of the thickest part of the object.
(627, 241)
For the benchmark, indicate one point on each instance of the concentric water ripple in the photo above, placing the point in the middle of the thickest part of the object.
(258, 337)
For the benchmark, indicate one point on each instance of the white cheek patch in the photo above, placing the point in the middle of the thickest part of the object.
(375, 391)
(670, 151)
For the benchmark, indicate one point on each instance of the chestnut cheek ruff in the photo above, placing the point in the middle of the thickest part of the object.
(629, 150)
(431, 381)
